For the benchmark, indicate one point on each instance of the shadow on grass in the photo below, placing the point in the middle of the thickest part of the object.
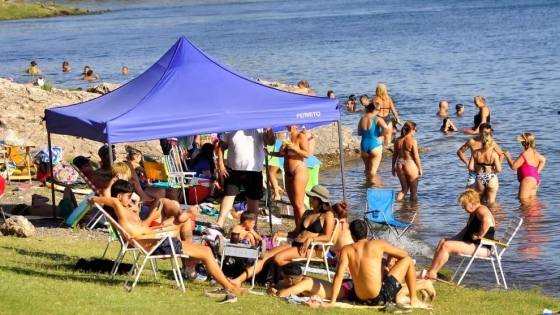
(32, 253)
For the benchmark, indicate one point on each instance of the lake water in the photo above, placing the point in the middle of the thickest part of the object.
(424, 51)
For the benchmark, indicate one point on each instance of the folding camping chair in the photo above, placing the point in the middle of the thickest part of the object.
(497, 247)
(97, 216)
(318, 251)
(176, 176)
(379, 210)
(145, 245)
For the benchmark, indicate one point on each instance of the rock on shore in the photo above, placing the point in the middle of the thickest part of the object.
(22, 109)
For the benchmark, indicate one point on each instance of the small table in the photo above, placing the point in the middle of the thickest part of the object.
(10, 152)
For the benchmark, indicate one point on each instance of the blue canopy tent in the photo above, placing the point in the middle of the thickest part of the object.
(185, 93)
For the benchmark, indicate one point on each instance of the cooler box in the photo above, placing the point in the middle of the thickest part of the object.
(199, 189)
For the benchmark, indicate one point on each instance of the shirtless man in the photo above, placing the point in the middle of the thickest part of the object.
(294, 282)
(127, 212)
(443, 107)
(475, 144)
(364, 260)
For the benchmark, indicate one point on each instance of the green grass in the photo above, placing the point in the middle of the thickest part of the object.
(37, 277)
(19, 10)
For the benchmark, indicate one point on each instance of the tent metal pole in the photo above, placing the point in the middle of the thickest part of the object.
(51, 178)
(342, 170)
(267, 192)
(110, 153)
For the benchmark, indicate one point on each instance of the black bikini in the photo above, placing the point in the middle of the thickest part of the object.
(314, 227)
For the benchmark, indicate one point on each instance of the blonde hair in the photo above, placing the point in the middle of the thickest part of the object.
(120, 168)
(528, 138)
(479, 98)
(487, 141)
(381, 91)
(468, 196)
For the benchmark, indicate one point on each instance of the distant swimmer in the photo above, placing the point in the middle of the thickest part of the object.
(304, 85)
(443, 107)
(364, 100)
(125, 70)
(459, 109)
(351, 103)
(90, 76)
(66, 67)
(33, 70)
(87, 76)
(448, 126)
(330, 94)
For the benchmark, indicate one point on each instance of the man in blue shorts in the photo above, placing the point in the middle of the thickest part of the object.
(371, 284)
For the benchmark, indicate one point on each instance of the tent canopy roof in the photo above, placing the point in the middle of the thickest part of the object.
(186, 93)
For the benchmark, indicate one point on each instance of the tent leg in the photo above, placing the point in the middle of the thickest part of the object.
(342, 170)
(51, 177)
(266, 194)
(110, 153)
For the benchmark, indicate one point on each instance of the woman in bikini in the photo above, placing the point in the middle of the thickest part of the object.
(406, 162)
(486, 163)
(529, 165)
(295, 149)
(373, 130)
(386, 107)
(343, 237)
(316, 225)
(480, 225)
(483, 115)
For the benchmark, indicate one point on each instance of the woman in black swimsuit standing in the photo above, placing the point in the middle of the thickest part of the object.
(316, 225)
(483, 115)
(480, 225)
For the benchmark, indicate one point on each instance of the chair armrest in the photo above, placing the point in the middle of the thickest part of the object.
(487, 241)
(157, 235)
(164, 228)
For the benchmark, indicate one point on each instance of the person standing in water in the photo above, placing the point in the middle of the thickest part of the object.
(406, 161)
(373, 131)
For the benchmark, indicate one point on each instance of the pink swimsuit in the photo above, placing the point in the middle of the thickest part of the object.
(526, 170)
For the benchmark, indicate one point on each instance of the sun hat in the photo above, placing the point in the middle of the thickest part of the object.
(80, 161)
(320, 192)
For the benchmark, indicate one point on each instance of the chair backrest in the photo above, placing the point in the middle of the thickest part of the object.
(381, 200)
(146, 246)
(510, 232)
(175, 160)
(336, 230)
(121, 232)
(87, 181)
(155, 171)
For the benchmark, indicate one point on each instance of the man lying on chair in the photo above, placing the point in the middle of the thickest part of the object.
(127, 214)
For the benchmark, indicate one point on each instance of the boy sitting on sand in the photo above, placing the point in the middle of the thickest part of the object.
(246, 229)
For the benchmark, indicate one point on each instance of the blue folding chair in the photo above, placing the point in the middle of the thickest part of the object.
(379, 210)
